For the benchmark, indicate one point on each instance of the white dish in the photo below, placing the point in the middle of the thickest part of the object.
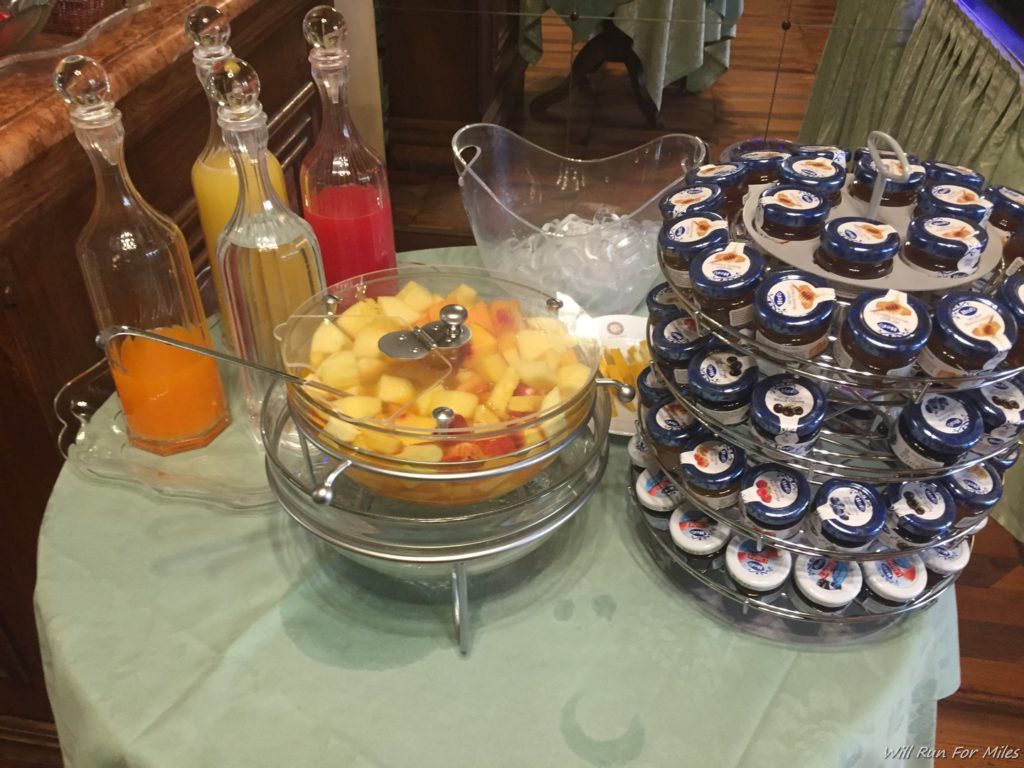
(622, 332)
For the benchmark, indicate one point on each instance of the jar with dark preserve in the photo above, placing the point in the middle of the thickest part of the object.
(684, 238)
(775, 499)
(674, 343)
(846, 515)
(639, 453)
(669, 426)
(883, 333)
(953, 201)
(936, 432)
(919, 511)
(721, 379)
(712, 469)
(936, 173)
(786, 212)
(943, 246)
(757, 571)
(944, 560)
(1001, 405)
(763, 165)
(862, 152)
(731, 177)
(663, 303)
(651, 388)
(793, 311)
(836, 154)
(1005, 460)
(819, 175)
(657, 496)
(1011, 296)
(691, 198)
(896, 193)
(894, 582)
(724, 281)
(858, 248)
(971, 332)
(825, 585)
(787, 412)
(700, 537)
(1007, 207)
(974, 489)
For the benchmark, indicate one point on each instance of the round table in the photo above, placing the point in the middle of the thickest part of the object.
(180, 633)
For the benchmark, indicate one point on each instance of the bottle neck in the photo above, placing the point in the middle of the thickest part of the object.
(332, 83)
(247, 144)
(104, 145)
(204, 66)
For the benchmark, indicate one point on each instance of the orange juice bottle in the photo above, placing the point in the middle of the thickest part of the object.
(138, 273)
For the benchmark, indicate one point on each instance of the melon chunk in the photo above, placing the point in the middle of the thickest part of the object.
(556, 424)
(341, 430)
(368, 338)
(339, 370)
(502, 392)
(394, 389)
(536, 374)
(416, 296)
(358, 315)
(359, 406)
(484, 415)
(492, 367)
(572, 378)
(392, 306)
(532, 344)
(421, 452)
(463, 295)
(462, 403)
(380, 442)
(523, 404)
(327, 339)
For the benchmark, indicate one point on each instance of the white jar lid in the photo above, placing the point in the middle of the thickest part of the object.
(656, 491)
(697, 534)
(637, 450)
(826, 582)
(945, 561)
(899, 579)
(760, 571)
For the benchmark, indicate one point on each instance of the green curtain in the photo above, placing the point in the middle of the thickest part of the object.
(945, 91)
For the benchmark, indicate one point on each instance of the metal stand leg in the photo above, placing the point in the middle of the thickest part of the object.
(460, 606)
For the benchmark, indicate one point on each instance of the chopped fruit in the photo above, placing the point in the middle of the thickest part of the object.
(503, 390)
(484, 415)
(505, 316)
(553, 359)
(471, 381)
(520, 405)
(479, 315)
(572, 378)
(457, 423)
(359, 406)
(341, 430)
(368, 339)
(463, 295)
(537, 374)
(381, 442)
(315, 392)
(416, 296)
(358, 315)
(511, 356)
(327, 339)
(568, 358)
(412, 422)
(482, 340)
(498, 446)
(340, 370)
(464, 452)
(492, 367)
(428, 452)
(371, 369)
(556, 424)
(393, 389)
(392, 306)
(463, 403)
(424, 403)
(549, 325)
(533, 436)
(532, 344)
(525, 389)
(433, 312)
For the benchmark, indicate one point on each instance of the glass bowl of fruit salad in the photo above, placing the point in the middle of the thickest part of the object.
(441, 385)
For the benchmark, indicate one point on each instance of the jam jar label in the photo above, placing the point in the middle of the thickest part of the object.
(866, 232)
(712, 457)
(1011, 194)
(849, 505)
(683, 199)
(945, 414)
(697, 526)
(816, 168)
(727, 264)
(697, 228)
(682, 330)
(792, 199)
(980, 321)
(836, 153)
(668, 297)
(653, 381)
(796, 298)
(946, 552)
(921, 500)
(673, 417)
(899, 571)
(774, 489)
(958, 168)
(1008, 398)
(890, 315)
(954, 229)
(714, 171)
(827, 574)
(789, 402)
(757, 562)
(976, 480)
(658, 485)
(763, 154)
(957, 195)
(724, 367)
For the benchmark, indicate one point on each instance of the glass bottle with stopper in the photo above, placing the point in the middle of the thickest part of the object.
(214, 178)
(138, 273)
(344, 186)
(268, 256)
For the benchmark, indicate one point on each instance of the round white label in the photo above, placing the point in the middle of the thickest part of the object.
(951, 193)
(898, 571)
(979, 321)
(976, 480)
(673, 416)
(696, 526)
(826, 574)
(757, 562)
(796, 298)
(790, 402)
(849, 505)
(724, 367)
(1008, 398)
(694, 229)
(920, 499)
(1011, 194)
(774, 489)
(658, 486)
(713, 171)
(816, 168)
(890, 315)
(952, 229)
(682, 330)
(945, 414)
(866, 232)
(683, 199)
(712, 457)
(795, 200)
(727, 264)
(763, 155)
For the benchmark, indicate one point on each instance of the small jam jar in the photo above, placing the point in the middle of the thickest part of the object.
(953, 201)
(639, 455)
(663, 303)
(651, 388)
(1005, 460)
(846, 515)
(947, 560)
(683, 238)
(896, 193)
(936, 432)
(731, 177)
(701, 537)
(943, 173)
(724, 281)
(792, 313)
(893, 583)
(883, 333)
(974, 489)
(1002, 411)
(819, 175)
(836, 154)
(1011, 295)
(658, 496)
(971, 333)
(775, 499)
(786, 212)
(674, 344)
(691, 198)
(670, 426)
(787, 412)
(763, 165)
(721, 380)
(756, 571)
(1007, 208)
(713, 469)
(919, 511)
(824, 584)
(942, 246)
(856, 247)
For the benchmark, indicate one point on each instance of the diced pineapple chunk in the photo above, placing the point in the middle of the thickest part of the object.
(572, 378)
(502, 392)
(424, 404)
(359, 406)
(532, 344)
(556, 424)
(492, 367)
(416, 296)
(536, 374)
(341, 430)
(327, 339)
(463, 403)
(468, 380)
(511, 356)
(424, 427)
(550, 325)
(368, 338)
(553, 359)
(340, 370)
(392, 306)
(358, 315)
(483, 341)
(394, 389)
(371, 369)
(381, 442)
(463, 295)
(533, 436)
(568, 357)
(422, 452)
(484, 415)
(520, 404)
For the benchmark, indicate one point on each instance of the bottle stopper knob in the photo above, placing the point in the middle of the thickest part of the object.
(325, 28)
(84, 86)
(235, 86)
(208, 30)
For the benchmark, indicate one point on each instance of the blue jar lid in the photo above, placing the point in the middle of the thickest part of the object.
(976, 488)
(710, 462)
(943, 423)
(792, 302)
(763, 159)
(972, 324)
(923, 508)
(725, 272)
(840, 155)
(774, 496)
(792, 206)
(955, 242)
(862, 152)
(851, 513)
(1007, 201)
(819, 174)
(651, 388)
(954, 201)
(790, 407)
(1011, 294)
(662, 301)
(692, 233)
(1006, 459)
(723, 174)
(691, 198)
(722, 375)
(888, 323)
(1001, 404)
(864, 170)
(670, 424)
(945, 173)
(860, 240)
(675, 339)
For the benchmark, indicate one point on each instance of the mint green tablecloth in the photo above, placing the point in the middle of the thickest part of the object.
(176, 633)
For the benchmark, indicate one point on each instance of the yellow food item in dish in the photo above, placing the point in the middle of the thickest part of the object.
(625, 367)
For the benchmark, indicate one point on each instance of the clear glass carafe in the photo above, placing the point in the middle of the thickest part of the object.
(138, 273)
(344, 184)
